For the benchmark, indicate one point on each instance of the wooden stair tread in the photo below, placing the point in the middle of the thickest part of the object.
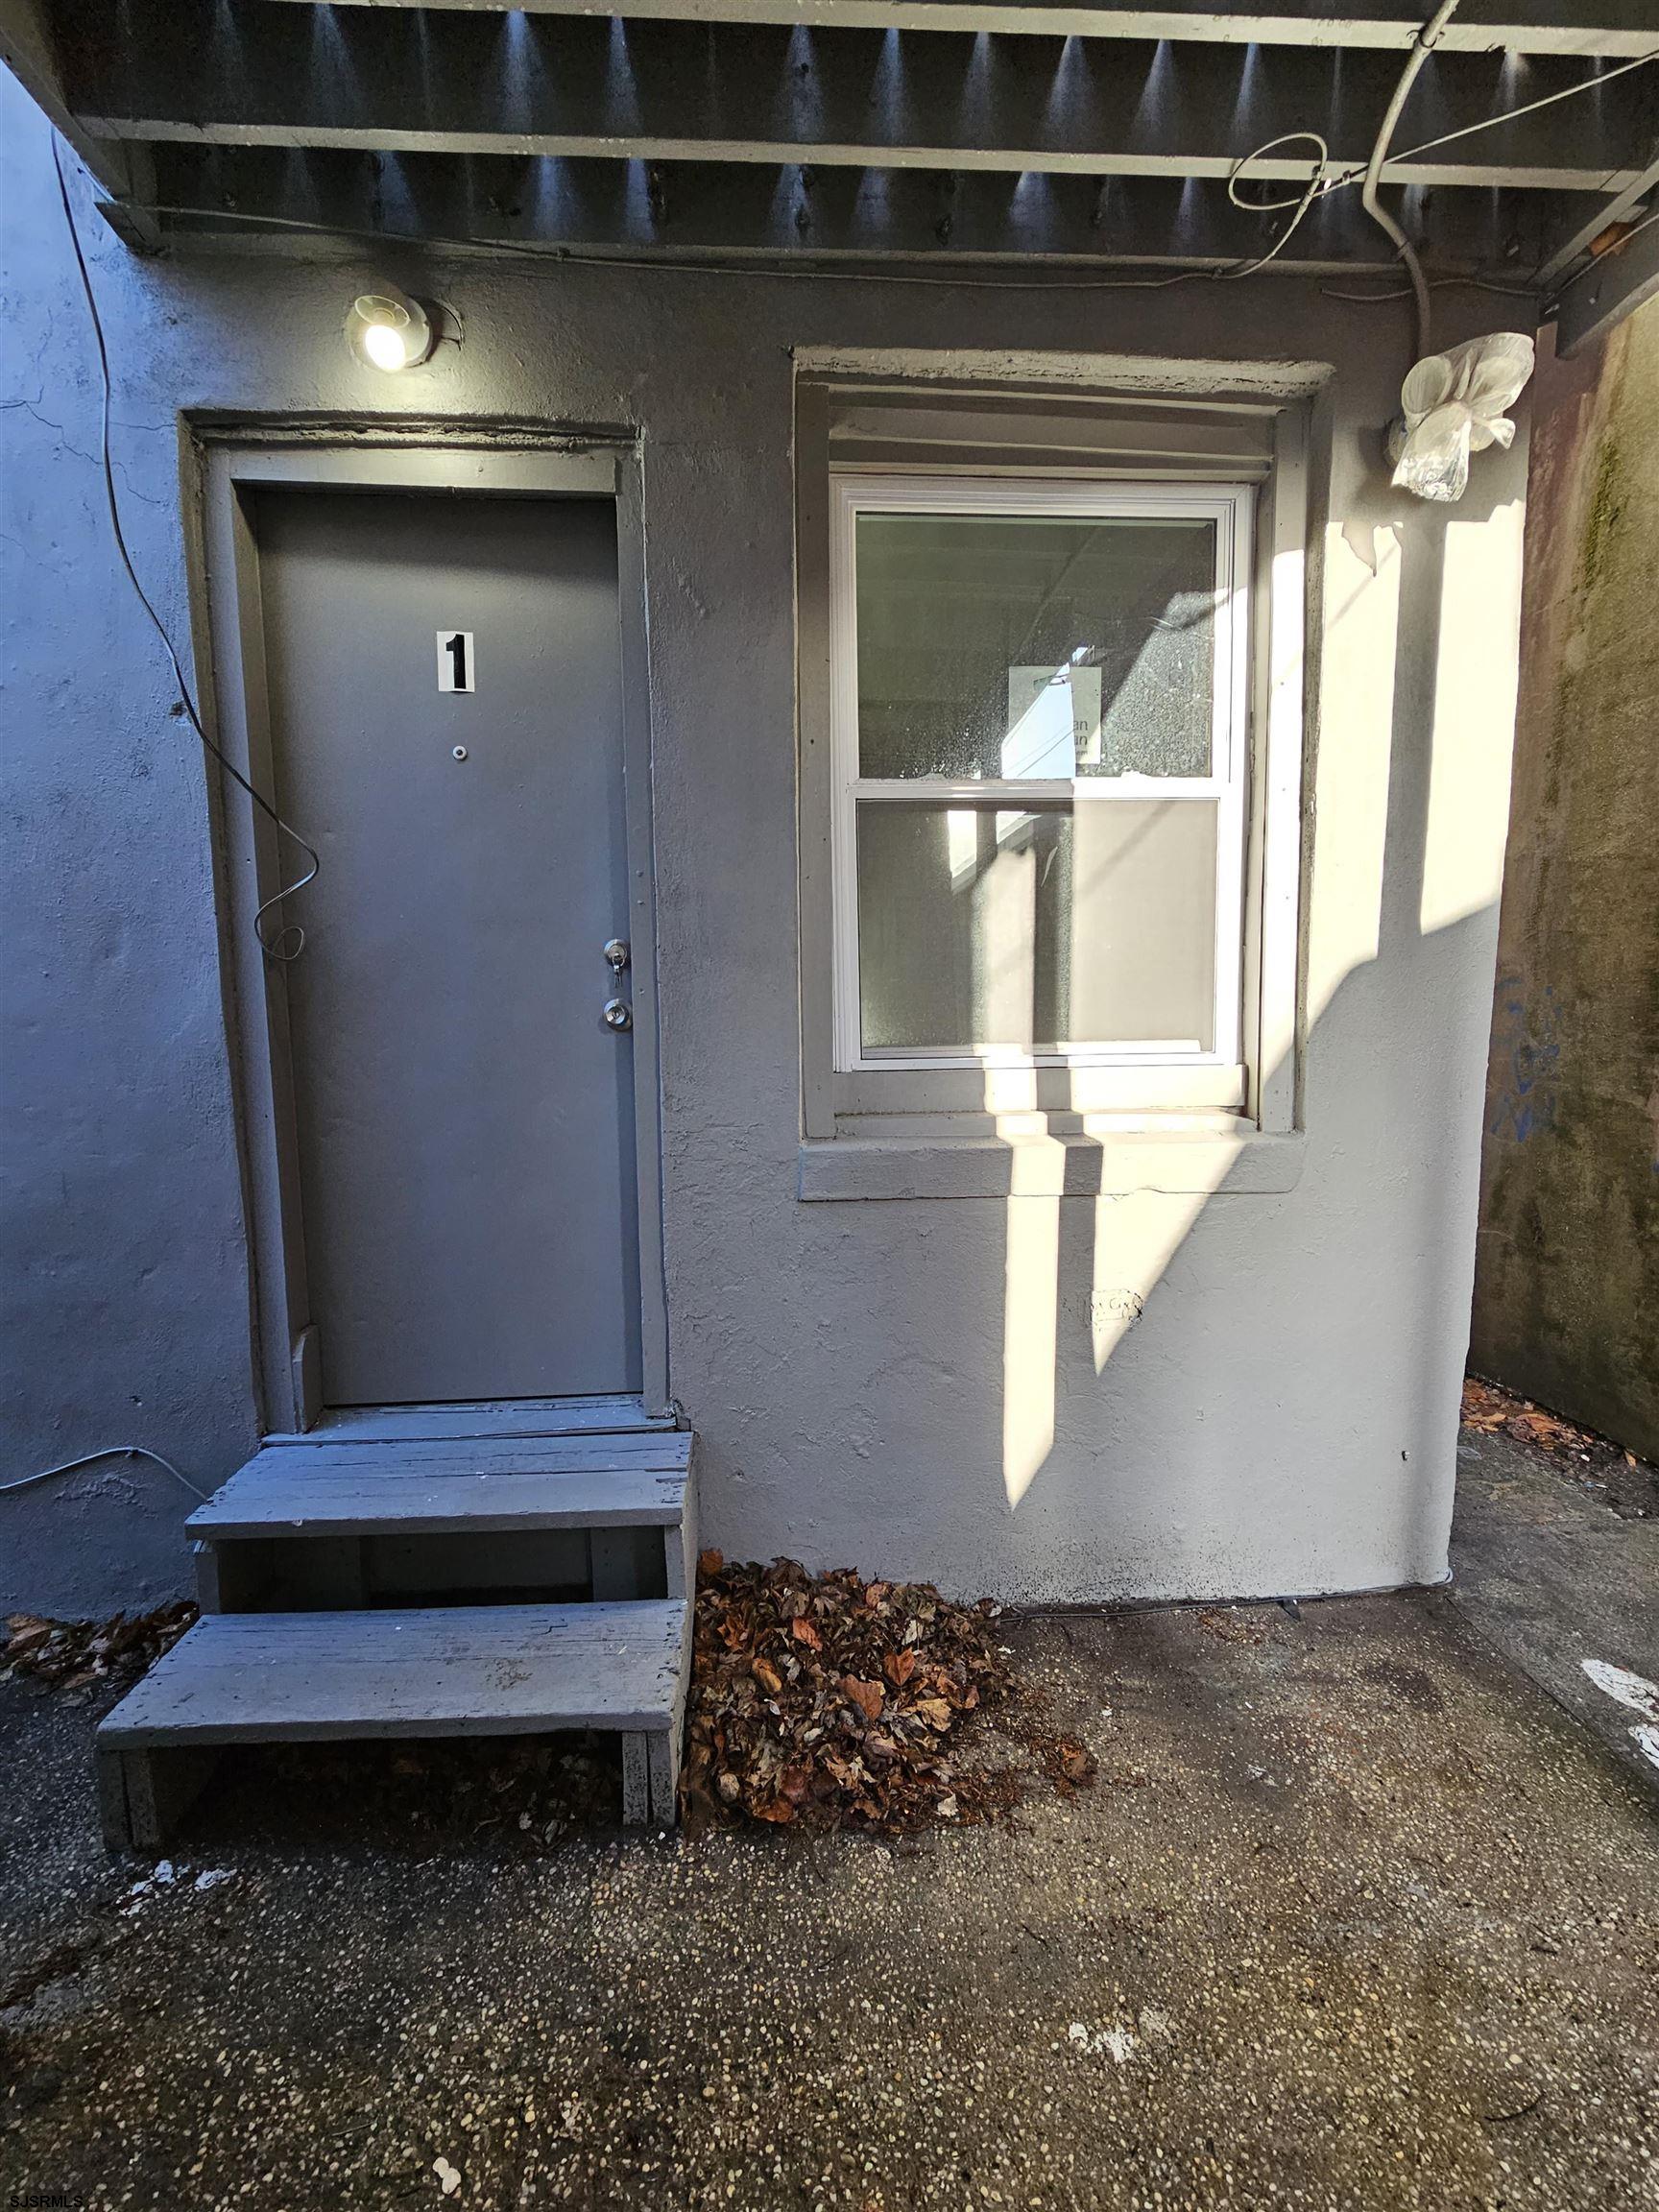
(651, 1448)
(405, 1489)
(438, 1671)
(498, 1417)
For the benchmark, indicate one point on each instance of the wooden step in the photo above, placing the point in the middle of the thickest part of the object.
(316, 1523)
(438, 1671)
(485, 1417)
(435, 1488)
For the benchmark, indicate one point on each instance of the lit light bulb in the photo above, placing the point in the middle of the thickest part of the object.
(384, 345)
(388, 330)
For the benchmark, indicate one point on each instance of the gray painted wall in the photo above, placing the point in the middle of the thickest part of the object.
(1283, 1416)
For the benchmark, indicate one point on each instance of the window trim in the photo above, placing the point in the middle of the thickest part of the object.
(1231, 507)
(1280, 421)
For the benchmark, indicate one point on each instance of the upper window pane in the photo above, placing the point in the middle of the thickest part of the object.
(1005, 646)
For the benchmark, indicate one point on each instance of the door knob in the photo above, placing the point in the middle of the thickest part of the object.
(618, 1013)
(616, 953)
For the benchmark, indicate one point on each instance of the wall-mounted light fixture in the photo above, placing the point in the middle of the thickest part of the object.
(386, 329)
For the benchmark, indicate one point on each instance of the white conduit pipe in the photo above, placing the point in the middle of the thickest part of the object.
(1427, 38)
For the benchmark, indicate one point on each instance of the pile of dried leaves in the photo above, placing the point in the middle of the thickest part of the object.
(830, 1701)
(1629, 1485)
(74, 1652)
(1487, 1409)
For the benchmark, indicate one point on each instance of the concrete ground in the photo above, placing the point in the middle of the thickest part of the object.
(1555, 1572)
(1356, 1919)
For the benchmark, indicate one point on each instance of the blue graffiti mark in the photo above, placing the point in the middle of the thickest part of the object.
(1525, 1052)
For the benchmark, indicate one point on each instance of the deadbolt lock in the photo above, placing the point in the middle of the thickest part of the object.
(616, 953)
(618, 1013)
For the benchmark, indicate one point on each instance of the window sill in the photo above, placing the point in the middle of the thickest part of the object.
(1039, 1165)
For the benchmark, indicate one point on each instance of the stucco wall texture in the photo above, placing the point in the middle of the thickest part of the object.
(1567, 1283)
(1281, 1419)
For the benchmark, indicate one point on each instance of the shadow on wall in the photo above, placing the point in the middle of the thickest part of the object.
(1397, 978)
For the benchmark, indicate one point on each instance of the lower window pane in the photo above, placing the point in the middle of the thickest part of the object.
(1061, 925)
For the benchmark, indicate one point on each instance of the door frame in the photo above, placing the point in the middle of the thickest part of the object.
(224, 461)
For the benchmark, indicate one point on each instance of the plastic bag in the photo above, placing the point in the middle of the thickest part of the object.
(1454, 406)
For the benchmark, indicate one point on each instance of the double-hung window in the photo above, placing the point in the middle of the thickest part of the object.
(1038, 753)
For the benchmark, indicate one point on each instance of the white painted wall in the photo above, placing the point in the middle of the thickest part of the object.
(913, 1386)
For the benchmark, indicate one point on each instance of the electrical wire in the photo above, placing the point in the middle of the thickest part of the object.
(289, 942)
(534, 250)
(91, 1459)
(1426, 40)
(1352, 175)
(1314, 186)
(1510, 114)
(580, 257)
(1435, 284)
(1422, 47)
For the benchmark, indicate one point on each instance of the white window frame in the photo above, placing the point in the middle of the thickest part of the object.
(1133, 1074)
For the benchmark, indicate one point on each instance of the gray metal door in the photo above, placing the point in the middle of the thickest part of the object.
(463, 1114)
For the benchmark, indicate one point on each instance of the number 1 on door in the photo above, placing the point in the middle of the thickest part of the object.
(455, 671)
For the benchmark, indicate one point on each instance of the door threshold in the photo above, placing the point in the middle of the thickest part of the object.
(483, 1417)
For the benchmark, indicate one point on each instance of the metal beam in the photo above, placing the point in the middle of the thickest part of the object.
(1608, 29)
(409, 82)
(1612, 286)
(1588, 228)
(28, 49)
(1126, 224)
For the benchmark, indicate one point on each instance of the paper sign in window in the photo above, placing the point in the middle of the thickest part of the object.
(1053, 721)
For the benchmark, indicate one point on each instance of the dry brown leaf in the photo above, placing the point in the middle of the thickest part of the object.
(1487, 1409)
(767, 1676)
(804, 1632)
(74, 1654)
(866, 1695)
(1483, 1409)
(1543, 1429)
(898, 1667)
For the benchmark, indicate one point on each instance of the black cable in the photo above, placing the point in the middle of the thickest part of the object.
(580, 257)
(288, 942)
(803, 270)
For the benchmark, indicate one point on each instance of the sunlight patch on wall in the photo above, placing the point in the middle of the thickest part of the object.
(1136, 1238)
(1136, 1233)
(1473, 718)
(1352, 792)
(1030, 1338)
